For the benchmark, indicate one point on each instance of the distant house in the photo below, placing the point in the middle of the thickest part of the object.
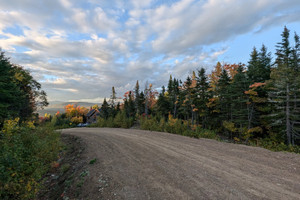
(91, 116)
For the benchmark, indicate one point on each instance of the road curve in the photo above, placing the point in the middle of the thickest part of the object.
(153, 165)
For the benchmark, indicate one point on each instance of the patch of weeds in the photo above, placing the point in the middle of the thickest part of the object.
(80, 183)
(64, 168)
(93, 161)
(84, 173)
(82, 179)
(68, 182)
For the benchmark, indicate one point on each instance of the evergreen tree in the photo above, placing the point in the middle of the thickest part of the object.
(259, 65)
(173, 95)
(185, 110)
(113, 97)
(284, 93)
(118, 109)
(112, 100)
(163, 104)
(224, 97)
(146, 93)
(259, 70)
(265, 59)
(104, 109)
(239, 99)
(137, 100)
(141, 103)
(283, 51)
(129, 105)
(253, 66)
(202, 97)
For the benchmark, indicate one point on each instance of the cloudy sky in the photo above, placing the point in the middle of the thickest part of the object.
(79, 49)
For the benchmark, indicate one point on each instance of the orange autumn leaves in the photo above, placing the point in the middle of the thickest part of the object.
(75, 113)
(215, 74)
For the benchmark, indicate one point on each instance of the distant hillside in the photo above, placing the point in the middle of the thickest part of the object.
(55, 106)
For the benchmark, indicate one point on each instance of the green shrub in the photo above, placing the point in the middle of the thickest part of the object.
(205, 133)
(110, 123)
(25, 155)
(161, 125)
(273, 145)
(120, 121)
(149, 123)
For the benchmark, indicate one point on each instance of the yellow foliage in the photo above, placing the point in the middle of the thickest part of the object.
(28, 187)
(30, 124)
(10, 125)
(229, 126)
(172, 121)
(255, 130)
(95, 106)
(77, 120)
(47, 115)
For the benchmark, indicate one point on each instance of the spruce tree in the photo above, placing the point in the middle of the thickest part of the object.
(163, 104)
(185, 109)
(137, 100)
(224, 97)
(141, 103)
(104, 109)
(203, 96)
(253, 66)
(284, 93)
(112, 100)
(239, 99)
(265, 59)
(259, 65)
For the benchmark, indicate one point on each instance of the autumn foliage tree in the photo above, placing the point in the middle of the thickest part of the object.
(75, 113)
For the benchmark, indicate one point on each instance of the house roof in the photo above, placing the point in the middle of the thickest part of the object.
(91, 112)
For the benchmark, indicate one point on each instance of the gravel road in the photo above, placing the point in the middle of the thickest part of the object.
(137, 164)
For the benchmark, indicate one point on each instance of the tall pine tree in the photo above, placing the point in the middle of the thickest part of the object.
(203, 96)
(284, 93)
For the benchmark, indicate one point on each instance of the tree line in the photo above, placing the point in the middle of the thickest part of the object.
(238, 101)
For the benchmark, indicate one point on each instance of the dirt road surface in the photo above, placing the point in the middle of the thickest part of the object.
(136, 164)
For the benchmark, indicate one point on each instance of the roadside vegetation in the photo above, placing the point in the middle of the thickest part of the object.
(27, 148)
(26, 154)
(120, 120)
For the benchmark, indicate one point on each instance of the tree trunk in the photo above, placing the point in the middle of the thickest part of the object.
(287, 114)
(175, 99)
